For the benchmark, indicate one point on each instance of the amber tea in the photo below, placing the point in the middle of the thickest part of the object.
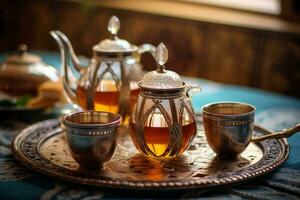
(107, 99)
(157, 137)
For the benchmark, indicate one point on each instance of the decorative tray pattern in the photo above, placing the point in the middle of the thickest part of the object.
(43, 148)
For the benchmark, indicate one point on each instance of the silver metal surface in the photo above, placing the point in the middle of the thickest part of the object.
(42, 147)
(228, 127)
(162, 123)
(91, 136)
(114, 45)
(281, 134)
(161, 79)
(115, 62)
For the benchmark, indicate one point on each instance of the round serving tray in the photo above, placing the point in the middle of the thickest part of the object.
(43, 148)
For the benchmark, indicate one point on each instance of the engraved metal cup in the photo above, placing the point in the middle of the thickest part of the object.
(228, 127)
(91, 136)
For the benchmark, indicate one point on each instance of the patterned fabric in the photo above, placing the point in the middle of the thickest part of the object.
(10, 169)
(62, 191)
(273, 111)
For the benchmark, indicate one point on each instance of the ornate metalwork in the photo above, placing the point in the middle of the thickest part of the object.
(42, 147)
(172, 114)
(163, 125)
(114, 57)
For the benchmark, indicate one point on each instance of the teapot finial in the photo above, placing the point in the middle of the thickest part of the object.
(113, 25)
(22, 49)
(161, 56)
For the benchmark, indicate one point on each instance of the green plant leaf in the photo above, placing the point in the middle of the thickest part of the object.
(23, 100)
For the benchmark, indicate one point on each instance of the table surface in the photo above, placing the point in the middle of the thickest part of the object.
(274, 111)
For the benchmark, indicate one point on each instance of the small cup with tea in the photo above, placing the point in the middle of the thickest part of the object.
(91, 136)
(229, 126)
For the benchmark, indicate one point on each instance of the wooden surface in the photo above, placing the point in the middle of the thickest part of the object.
(201, 12)
(259, 56)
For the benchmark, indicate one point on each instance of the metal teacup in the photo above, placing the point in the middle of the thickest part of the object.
(91, 136)
(228, 127)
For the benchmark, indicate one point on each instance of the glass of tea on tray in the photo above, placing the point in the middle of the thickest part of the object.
(162, 123)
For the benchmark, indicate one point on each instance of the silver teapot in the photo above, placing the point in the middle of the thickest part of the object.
(110, 81)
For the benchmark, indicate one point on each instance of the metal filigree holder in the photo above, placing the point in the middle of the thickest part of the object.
(109, 52)
(169, 114)
(122, 83)
(42, 147)
(162, 123)
(114, 57)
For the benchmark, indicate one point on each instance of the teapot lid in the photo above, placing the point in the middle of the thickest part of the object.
(23, 57)
(114, 44)
(22, 73)
(161, 79)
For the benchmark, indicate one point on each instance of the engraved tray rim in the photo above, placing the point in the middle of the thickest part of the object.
(143, 185)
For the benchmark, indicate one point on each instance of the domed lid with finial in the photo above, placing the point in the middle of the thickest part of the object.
(23, 57)
(23, 72)
(114, 44)
(161, 79)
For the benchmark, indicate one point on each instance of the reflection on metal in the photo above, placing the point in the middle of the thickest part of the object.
(162, 123)
(42, 147)
(109, 81)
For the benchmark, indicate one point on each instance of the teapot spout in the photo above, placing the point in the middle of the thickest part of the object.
(66, 50)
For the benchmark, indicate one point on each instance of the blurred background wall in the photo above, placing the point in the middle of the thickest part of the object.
(211, 41)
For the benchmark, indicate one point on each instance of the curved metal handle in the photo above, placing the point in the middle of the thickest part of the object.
(282, 134)
(191, 90)
(146, 48)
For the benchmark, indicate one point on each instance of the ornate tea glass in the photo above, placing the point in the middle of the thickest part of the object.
(162, 123)
(109, 82)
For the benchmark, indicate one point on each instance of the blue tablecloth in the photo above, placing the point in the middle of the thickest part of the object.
(274, 111)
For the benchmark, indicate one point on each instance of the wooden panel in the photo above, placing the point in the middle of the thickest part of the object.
(280, 71)
(217, 52)
(230, 56)
(183, 40)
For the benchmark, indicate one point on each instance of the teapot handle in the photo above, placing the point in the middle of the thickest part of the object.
(191, 90)
(144, 48)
